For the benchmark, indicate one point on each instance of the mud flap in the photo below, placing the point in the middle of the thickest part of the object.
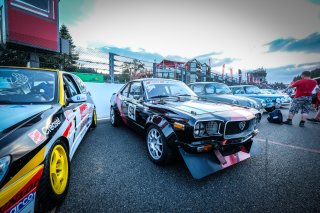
(204, 164)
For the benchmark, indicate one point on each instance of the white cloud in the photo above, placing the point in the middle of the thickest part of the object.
(238, 29)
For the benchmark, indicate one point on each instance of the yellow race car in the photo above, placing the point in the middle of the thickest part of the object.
(44, 115)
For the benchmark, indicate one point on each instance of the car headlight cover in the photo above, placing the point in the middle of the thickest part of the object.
(268, 100)
(4, 165)
(199, 129)
(263, 103)
(206, 128)
(278, 100)
(212, 127)
(283, 99)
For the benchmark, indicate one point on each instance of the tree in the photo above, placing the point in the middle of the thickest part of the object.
(11, 57)
(131, 70)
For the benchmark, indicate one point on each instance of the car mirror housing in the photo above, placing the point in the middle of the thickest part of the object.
(77, 98)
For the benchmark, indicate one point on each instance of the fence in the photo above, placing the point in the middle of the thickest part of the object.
(118, 68)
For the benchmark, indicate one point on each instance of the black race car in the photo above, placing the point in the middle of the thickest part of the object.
(210, 136)
(44, 117)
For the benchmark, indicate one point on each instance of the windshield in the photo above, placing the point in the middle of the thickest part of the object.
(22, 86)
(166, 88)
(252, 90)
(217, 89)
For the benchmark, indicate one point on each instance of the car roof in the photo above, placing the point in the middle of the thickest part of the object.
(29, 68)
(206, 83)
(153, 79)
(243, 85)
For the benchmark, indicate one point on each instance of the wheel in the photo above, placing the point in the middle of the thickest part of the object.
(94, 119)
(54, 182)
(114, 118)
(270, 109)
(159, 151)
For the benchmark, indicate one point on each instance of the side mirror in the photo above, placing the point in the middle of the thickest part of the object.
(77, 98)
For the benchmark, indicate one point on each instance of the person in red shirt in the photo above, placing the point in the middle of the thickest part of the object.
(302, 99)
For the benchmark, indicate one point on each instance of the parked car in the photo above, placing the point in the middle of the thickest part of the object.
(272, 100)
(44, 117)
(219, 92)
(209, 136)
(285, 102)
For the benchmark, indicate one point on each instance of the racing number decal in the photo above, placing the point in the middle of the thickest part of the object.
(132, 111)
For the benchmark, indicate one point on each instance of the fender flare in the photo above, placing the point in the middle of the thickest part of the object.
(164, 125)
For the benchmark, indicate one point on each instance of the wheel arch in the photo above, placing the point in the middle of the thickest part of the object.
(164, 125)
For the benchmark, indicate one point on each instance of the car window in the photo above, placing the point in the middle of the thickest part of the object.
(135, 90)
(125, 91)
(71, 89)
(81, 84)
(198, 89)
(238, 90)
(252, 90)
(27, 86)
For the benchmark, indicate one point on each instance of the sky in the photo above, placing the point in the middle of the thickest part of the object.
(282, 36)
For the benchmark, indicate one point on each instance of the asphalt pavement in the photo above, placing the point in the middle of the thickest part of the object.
(111, 172)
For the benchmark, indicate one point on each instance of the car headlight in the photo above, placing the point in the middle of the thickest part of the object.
(283, 99)
(268, 100)
(263, 103)
(278, 100)
(206, 128)
(199, 129)
(212, 127)
(4, 165)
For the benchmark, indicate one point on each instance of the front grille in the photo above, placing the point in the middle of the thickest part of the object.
(233, 127)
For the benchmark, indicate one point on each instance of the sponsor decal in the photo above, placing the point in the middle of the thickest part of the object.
(36, 136)
(83, 110)
(51, 127)
(24, 202)
(66, 132)
(29, 188)
(69, 115)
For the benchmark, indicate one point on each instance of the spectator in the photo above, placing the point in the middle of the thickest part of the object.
(317, 105)
(302, 99)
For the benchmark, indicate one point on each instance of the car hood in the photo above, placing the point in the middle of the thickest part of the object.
(13, 114)
(196, 108)
(265, 95)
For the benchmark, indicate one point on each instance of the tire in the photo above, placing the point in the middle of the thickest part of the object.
(50, 194)
(158, 150)
(114, 118)
(270, 109)
(94, 119)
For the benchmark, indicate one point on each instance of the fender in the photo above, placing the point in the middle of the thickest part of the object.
(164, 125)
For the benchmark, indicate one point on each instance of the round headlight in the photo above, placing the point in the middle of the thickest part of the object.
(283, 99)
(263, 103)
(4, 165)
(278, 100)
(199, 129)
(212, 127)
(268, 100)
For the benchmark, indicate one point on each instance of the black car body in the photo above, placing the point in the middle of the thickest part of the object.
(44, 117)
(219, 92)
(210, 136)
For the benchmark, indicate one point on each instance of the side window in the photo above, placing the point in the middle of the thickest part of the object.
(198, 89)
(81, 85)
(125, 90)
(70, 86)
(210, 89)
(135, 90)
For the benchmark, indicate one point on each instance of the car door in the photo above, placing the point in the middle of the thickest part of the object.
(135, 105)
(78, 112)
(122, 102)
(83, 89)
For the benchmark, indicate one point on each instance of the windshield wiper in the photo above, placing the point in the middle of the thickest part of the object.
(184, 95)
(160, 96)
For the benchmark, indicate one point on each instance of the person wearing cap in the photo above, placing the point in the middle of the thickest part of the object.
(302, 99)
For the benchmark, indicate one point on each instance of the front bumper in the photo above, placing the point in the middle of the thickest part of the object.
(204, 164)
(20, 195)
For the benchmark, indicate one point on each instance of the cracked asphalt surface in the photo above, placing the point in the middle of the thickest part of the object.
(111, 172)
